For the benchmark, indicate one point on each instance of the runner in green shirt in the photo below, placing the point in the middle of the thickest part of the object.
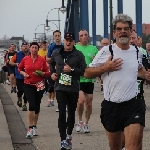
(86, 85)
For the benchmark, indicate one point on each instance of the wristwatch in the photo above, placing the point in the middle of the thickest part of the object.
(72, 70)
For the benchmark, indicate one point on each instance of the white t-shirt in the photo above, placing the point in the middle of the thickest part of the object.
(121, 85)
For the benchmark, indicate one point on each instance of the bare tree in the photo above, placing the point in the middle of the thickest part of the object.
(5, 37)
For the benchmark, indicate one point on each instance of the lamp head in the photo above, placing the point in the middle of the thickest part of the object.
(47, 28)
(63, 9)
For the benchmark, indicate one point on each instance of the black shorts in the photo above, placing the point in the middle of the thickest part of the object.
(87, 87)
(50, 85)
(33, 97)
(116, 116)
(11, 70)
(4, 68)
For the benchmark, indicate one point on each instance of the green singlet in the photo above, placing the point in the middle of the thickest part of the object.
(89, 53)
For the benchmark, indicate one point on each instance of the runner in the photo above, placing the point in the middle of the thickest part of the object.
(86, 85)
(16, 59)
(34, 70)
(67, 65)
(5, 69)
(134, 41)
(11, 69)
(120, 84)
(54, 46)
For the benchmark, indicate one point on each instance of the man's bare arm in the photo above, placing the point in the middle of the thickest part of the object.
(141, 73)
(13, 63)
(91, 72)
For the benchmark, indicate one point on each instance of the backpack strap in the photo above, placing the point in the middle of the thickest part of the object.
(111, 51)
(137, 51)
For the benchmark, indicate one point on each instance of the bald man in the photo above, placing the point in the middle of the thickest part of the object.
(104, 42)
(139, 43)
(86, 85)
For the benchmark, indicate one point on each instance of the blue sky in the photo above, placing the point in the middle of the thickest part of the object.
(21, 17)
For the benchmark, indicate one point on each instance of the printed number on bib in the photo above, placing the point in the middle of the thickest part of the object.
(65, 79)
(40, 86)
(139, 85)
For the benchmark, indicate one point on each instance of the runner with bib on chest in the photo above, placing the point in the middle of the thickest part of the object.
(34, 70)
(66, 66)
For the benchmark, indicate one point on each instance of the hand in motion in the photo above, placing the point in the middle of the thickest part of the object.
(113, 65)
(67, 68)
(147, 75)
(25, 75)
(38, 73)
(54, 76)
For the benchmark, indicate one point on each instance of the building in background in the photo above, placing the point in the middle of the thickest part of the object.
(145, 28)
(98, 40)
(4, 44)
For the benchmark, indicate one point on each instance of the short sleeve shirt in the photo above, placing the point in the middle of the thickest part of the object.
(121, 85)
(89, 53)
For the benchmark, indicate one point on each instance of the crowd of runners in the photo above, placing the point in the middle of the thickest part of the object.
(65, 71)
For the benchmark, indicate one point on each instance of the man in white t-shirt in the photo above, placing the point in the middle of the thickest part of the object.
(121, 110)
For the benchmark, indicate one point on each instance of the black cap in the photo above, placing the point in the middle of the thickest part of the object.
(24, 43)
(69, 35)
(34, 43)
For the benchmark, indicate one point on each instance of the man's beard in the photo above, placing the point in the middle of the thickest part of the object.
(123, 40)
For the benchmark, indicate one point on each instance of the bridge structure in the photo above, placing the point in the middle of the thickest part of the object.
(77, 17)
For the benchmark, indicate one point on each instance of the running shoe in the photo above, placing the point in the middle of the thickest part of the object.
(69, 141)
(35, 131)
(24, 108)
(48, 103)
(12, 90)
(29, 133)
(19, 102)
(57, 110)
(64, 145)
(7, 81)
(52, 102)
(79, 126)
(86, 128)
(15, 90)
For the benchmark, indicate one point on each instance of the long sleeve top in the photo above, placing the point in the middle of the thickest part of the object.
(29, 66)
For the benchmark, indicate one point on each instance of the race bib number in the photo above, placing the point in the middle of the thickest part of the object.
(65, 79)
(40, 86)
(139, 85)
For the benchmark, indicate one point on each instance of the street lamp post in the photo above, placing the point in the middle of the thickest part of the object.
(48, 27)
(62, 9)
(35, 39)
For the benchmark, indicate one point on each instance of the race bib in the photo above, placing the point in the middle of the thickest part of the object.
(65, 79)
(139, 85)
(40, 86)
